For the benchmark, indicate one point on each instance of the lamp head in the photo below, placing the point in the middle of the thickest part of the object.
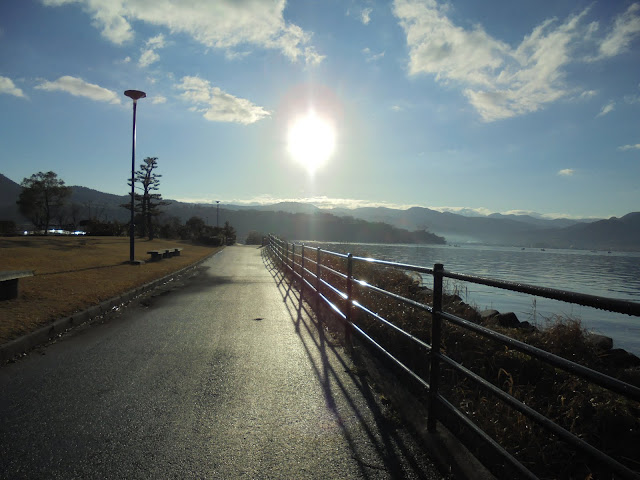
(135, 94)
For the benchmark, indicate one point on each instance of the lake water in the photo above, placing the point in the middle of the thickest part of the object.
(614, 275)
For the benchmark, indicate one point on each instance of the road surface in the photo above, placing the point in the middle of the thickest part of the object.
(223, 375)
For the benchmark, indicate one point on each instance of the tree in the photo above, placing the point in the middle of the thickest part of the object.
(147, 204)
(150, 203)
(195, 226)
(42, 196)
(229, 233)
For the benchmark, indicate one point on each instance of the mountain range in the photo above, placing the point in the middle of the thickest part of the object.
(286, 219)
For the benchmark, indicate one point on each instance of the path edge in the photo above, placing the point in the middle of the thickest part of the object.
(24, 344)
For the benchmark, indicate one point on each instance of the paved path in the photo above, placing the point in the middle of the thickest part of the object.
(224, 376)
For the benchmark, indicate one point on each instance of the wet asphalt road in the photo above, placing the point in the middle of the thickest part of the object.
(223, 376)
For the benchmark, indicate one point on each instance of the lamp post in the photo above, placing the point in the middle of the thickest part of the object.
(218, 214)
(135, 95)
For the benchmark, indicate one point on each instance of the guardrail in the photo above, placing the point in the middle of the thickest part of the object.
(335, 288)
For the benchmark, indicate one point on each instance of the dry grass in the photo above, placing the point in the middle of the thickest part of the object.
(73, 273)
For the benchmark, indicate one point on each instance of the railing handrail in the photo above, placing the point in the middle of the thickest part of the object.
(280, 249)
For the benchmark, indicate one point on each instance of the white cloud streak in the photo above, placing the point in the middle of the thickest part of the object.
(370, 56)
(8, 87)
(217, 105)
(608, 108)
(501, 81)
(566, 172)
(79, 88)
(222, 24)
(626, 148)
(625, 29)
(365, 16)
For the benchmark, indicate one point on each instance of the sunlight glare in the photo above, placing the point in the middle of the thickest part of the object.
(311, 141)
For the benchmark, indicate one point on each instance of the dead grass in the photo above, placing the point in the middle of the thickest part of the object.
(74, 273)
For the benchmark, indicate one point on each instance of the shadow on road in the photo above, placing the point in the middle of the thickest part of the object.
(397, 456)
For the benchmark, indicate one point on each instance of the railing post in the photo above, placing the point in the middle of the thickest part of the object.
(318, 281)
(285, 260)
(436, 332)
(302, 273)
(293, 259)
(347, 331)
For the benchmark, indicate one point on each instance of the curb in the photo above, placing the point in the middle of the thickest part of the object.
(22, 345)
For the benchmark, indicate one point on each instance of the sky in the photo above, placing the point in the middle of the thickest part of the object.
(495, 106)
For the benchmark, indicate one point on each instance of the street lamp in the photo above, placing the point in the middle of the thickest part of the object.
(135, 95)
(218, 214)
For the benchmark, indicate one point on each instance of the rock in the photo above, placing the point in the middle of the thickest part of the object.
(508, 319)
(619, 358)
(487, 314)
(631, 375)
(526, 326)
(600, 342)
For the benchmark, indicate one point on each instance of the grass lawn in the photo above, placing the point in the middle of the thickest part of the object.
(74, 273)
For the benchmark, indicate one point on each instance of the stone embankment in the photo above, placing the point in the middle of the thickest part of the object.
(601, 345)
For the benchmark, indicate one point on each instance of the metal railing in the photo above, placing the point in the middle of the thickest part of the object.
(315, 277)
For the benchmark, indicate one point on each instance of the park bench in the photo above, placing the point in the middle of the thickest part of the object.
(9, 282)
(166, 253)
(157, 254)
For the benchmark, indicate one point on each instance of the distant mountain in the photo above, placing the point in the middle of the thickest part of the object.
(615, 233)
(305, 221)
(9, 193)
(542, 222)
(498, 229)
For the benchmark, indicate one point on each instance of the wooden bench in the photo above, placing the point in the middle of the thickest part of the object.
(9, 282)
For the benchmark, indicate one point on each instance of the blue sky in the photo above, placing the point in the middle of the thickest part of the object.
(496, 106)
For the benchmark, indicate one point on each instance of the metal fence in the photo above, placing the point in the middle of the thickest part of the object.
(321, 280)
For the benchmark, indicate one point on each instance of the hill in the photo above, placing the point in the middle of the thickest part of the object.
(290, 220)
(306, 222)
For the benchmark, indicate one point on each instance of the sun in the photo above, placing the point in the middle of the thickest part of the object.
(311, 141)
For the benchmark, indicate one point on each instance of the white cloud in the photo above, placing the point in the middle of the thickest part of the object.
(7, 86)
(608, 108)
(219, 106)
(223, 24)
(370, 56)
(149, 54)
(158, 99)
(108, 15)
(365, 15)
(148, 57)
(500, 81)
(320, 202)
(312, 58)
(79, 88)
(625, 148)
(467, 211)
(566, 172)
(625, 29)
(588, 94)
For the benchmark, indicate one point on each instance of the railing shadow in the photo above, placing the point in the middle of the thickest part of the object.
(397, 458)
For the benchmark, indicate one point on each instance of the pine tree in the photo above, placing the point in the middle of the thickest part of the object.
(147, 204)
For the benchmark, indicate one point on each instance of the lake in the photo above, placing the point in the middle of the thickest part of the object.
(614, 275)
